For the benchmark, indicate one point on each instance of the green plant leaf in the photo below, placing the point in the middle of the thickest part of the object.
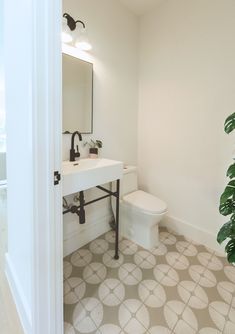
(230, 249)
(231, 256)
(224, 232)
(232, 231)
(99, 143)
(230, 245)
(227, 208)
(232, 218)
(231, 171)
(229, 191)
(229, 124)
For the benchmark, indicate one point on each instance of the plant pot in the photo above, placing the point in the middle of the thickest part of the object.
(93, 152)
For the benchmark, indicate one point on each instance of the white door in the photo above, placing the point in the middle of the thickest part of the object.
(48, 315)
(33, 106)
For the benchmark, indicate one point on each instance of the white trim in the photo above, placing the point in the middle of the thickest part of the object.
(192, 232)
(91, 231)
(3, 184)
(74, 52)
(47, 239)
(22, 306)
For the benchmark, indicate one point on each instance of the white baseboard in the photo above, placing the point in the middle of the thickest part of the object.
(192, 232)
(88, 232)
(22, 306)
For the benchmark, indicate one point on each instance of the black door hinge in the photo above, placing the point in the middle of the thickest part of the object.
(57, 177)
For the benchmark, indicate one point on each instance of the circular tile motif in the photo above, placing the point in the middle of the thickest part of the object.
(66, 287)
(223, 316)
(208, 279)
(196, 271)
(160, 250)
(68, 329)
(166, 275)
(109, 261)
(183, 327)
(230, 273)
(110, 329)
(185, 290)
(81, 258)
(99, 246)
(110, 237)
(210, 261)
(192, 294)
(128, 247)
(186, 248)
(202, 276)
(144, 260)
(209, 330)
(87, 315)
(204, 258)
(226, 291)
(167, 238)
(111, 292)
(218, 312)
(94, 273)
(130, 274)
(159, 330)
(229, 327)
(67, 268)
(151, 293)
(133, 317)
(75, 290)
(215, 264)
(177, 260)
(175, 310)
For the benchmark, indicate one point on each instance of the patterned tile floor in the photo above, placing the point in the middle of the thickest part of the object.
(179, 287)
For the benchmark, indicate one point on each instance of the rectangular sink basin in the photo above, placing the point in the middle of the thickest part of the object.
(87, 173)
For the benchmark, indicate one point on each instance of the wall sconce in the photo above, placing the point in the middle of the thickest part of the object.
(76, 34)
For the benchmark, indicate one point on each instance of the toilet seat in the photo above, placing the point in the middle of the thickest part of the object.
(145, 202)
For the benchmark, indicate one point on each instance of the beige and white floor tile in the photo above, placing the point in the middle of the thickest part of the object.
(134, 317)
(99, 246)
(178, 287)
(81, 258)
(109, 261)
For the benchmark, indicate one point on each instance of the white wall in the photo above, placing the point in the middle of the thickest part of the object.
(2, 108)
(18, 75)
(113, 33)
(187, 78)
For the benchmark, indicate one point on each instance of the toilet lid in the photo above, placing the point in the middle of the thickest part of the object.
(146, 202)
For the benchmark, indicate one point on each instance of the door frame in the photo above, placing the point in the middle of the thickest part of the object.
(47, 232)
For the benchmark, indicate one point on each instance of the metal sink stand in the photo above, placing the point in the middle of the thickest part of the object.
(80, 211)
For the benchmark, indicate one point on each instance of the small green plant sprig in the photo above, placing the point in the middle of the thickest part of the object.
(227, 203)
(94, 143)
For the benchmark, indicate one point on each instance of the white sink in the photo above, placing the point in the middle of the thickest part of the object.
(87, 173)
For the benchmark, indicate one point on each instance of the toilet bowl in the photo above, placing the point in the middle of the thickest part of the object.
(140, 212)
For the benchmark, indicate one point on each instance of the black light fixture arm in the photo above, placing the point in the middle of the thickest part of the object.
(72, 23)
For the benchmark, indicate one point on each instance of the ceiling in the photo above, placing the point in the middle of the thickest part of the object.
(140, 7)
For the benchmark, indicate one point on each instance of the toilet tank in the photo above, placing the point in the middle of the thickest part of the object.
(129, 181)
(128, 184)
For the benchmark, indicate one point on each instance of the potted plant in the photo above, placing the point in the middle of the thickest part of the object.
(227, 203)
(94, 145)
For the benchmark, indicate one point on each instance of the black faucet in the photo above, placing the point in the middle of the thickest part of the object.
(74, 154)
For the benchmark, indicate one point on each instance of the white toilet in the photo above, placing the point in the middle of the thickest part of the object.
(140, 212)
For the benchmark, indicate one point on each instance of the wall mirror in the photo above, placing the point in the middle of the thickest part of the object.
(77, 95)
